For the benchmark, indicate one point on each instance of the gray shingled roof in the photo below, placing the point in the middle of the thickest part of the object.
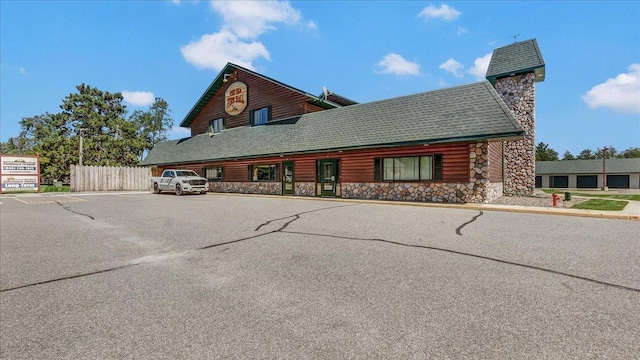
(468, 112)
(613, 166)
(515, 58)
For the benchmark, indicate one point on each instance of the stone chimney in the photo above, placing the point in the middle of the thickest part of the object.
(514, 69)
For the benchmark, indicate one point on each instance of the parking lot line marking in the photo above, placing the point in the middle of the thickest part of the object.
(22, 201)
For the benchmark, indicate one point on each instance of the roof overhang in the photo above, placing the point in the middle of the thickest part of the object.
(538, 71)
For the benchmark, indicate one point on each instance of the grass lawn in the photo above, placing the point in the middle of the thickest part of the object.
(43, 189)
(601, 204)
(603, 196)
(52, 188)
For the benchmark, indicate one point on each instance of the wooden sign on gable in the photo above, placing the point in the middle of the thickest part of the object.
(235, 98)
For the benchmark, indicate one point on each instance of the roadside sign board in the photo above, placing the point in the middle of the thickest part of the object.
(20, 173)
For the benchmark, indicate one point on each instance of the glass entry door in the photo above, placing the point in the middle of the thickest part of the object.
(287, 178)
(328, 170)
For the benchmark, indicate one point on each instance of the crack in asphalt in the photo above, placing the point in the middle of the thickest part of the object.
(297, 217)
(426, 247)
(71, 277)
(467, 223)
(298, 214)
(284, 226)
(75, 212)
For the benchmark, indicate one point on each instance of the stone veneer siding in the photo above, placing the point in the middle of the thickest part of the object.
(477, 190)
(305, 189)
(518, 92)
(258, 187)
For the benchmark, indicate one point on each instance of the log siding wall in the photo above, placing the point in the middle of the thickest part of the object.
(465, 177)
(260, 93)
(354, 166)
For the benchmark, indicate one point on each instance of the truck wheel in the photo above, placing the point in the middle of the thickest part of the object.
(156, 189)
(178, 190)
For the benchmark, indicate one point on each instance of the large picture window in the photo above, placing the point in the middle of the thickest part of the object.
(409, 168)
(263, 172)
(214, 173)
(261, 116)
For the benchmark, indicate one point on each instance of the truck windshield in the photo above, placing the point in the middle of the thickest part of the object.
(186, 173)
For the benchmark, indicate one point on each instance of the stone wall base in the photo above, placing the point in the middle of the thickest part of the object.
(305, 189)
(430, 192)
(399, 191)
(270, 188)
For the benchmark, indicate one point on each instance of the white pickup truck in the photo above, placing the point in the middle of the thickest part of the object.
(180, 182)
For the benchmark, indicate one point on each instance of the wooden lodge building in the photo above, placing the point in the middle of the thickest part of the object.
(469, 143)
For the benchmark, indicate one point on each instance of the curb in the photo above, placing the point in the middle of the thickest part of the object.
(478, 207)
(483, 207)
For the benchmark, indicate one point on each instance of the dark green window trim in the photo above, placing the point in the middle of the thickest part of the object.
(213, 173)
(437, 167)
(221, 125)
(252, 114)
(377, 169)
(264, 172)
(380, 172)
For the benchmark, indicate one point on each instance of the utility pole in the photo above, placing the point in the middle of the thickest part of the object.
(81, 133)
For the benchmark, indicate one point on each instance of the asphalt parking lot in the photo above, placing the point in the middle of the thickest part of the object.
(225, 276)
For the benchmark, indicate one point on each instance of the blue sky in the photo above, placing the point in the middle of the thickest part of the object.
(362, 50)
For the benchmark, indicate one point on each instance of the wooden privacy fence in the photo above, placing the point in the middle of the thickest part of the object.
(108, 178)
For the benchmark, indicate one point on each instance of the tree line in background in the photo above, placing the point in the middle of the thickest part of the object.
(110, 136)
(545, 153)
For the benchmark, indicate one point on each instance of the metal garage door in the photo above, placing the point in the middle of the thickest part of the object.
(587, 181)
(618, 181)
(538, 181)
(559, 181)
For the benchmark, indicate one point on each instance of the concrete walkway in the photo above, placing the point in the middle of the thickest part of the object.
(630, 212)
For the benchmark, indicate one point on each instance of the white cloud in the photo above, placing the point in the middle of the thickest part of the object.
(480, 66)
(250, 19)
(23, 71)
(461, 31)
(444, 12)
(213, 51)
(453, 67)
(243, 23)
(620, 94)
(178, 132)
(396, 64)
(138, 98)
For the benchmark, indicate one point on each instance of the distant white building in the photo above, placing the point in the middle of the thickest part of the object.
(587, 174)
